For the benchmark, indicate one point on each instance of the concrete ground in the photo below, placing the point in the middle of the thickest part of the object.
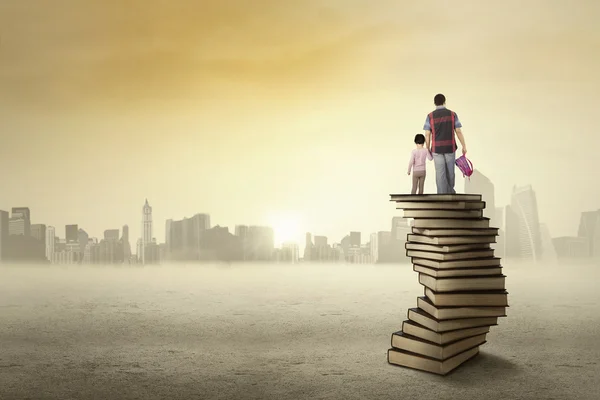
(280, 332)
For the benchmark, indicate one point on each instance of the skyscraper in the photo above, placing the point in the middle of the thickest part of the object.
(184, 237)
(50, 243)
(355, 239)
(308, 247)
(147, 223)
(3, 232)
(481, 184)
(126, 244)
(38, 231)
(72, 233)
(523, 237)
(20, 221)
(83, 239)
(146, 228)
(589, 228)
(374, 247)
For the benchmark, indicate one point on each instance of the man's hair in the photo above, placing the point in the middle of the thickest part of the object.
(439, 99)
(420, 138)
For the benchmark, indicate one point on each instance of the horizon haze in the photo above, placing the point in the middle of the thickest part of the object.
(306, 113)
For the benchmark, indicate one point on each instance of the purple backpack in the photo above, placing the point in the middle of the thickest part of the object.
(465, 166)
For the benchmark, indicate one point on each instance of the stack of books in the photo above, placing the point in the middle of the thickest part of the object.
(464, 287)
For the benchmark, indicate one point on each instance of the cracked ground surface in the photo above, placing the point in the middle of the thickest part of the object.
(279, 332)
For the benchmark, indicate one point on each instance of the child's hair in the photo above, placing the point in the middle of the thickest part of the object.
(420, 138)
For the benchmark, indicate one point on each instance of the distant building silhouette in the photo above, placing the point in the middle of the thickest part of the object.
(50, 243)
(146, 228)
(126, 245)
(183, 237)
(396, 251)
(548, 252)
(355, 240)
(4, 232)
(308, 248)
(260, 244)
(569, 247)
(83, 240)
(38, 231)
(72, 233)
(380, 246)
(589, 228)
(481, 184)
(290, 252)
(20, 222)
(218, 244)
(523, 238)
(111, 234)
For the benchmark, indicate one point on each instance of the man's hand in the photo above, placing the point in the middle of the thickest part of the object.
(464, 150)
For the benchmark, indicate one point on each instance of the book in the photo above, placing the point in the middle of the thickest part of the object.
(435, 197)
(413, 344)
(497, 298)
(455, 272)
(415, 361)
(455, 232)
(442, 213)
(440, 205)
(451, 248)
(450, 223)
(449, 240)
(441, 325)
(463, 255)
(414, 329)
(451, 264)
(463, 283)
(442, 313)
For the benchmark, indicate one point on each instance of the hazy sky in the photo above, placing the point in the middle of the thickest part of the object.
(242, 109)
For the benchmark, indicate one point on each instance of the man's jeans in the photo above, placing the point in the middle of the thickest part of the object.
(444, 172)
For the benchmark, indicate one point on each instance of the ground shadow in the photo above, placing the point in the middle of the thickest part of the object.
(485, 366)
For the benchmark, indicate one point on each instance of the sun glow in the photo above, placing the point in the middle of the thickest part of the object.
(287, 227)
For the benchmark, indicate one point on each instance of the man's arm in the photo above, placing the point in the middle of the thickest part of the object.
(428, 140)
(461, 139)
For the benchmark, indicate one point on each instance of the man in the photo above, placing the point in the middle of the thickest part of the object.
(440, 127)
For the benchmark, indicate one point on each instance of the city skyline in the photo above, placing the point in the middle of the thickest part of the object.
(309, 109)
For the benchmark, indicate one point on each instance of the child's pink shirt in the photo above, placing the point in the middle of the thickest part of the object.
(418, 158)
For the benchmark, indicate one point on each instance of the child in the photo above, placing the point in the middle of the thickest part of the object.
(417, 163)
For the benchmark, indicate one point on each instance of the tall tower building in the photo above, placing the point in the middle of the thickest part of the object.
(146, 228)
(3, 233)
(147, 223)
(50, 243)
(523, 236)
